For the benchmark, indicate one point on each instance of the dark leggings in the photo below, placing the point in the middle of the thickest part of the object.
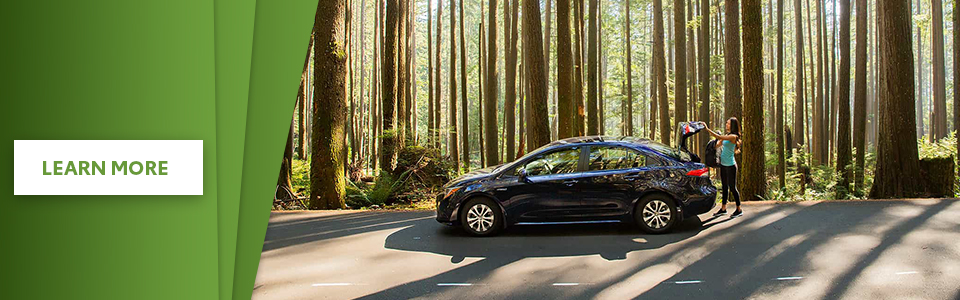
(728, 176)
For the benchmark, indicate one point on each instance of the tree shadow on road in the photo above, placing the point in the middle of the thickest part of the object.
(734, 261)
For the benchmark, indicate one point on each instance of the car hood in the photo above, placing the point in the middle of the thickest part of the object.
(472, 176)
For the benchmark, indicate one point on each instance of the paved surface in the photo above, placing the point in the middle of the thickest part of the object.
(810, 250)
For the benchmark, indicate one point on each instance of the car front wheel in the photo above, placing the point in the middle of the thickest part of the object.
(655, 214)
(481, 217)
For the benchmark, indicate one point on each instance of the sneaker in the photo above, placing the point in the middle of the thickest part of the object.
(720, 212)
(737, 213)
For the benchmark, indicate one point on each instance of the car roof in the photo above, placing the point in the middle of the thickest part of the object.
(605, 139)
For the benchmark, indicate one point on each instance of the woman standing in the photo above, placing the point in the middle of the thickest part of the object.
(729, 146)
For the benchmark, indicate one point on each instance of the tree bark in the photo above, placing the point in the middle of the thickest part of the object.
(431, 121)
(860, 96)
(799, 101)
(956, 78)
(482, 54)
(680, 72)
(593, 122)
(537, 120)
(897, 173)
(327, 180)
(390, 138)
(661, 71)
(919, 87)
(510, 66)
(753, 178)
(490, 102)
(779, 133)
(628, 118)
(580, 119)
(464, 124)
(843, 102)
(565, 73)
(938, 128)
(453, 145)
(732, 98)
(704, 73)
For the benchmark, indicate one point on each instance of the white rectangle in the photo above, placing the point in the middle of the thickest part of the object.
(34, 171)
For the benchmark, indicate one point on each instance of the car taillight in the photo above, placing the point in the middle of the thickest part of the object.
(705, 172)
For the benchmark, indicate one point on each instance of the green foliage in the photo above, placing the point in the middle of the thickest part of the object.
(301, 177)
(384, 189)
(945, 147)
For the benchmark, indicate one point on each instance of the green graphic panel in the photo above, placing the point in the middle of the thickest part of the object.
(281, 35)
(108, 70)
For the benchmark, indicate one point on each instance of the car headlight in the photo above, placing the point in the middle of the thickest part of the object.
(451, 191)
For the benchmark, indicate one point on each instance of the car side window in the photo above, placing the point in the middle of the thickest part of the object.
(557, 162)
(614, 158)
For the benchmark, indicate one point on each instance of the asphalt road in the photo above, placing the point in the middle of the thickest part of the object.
(906, 249)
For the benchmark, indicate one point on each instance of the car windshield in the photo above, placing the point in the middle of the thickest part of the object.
(529, 154)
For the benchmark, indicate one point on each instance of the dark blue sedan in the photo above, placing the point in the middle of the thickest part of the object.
(596, 179)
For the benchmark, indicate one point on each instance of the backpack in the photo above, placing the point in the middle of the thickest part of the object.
(710, 157)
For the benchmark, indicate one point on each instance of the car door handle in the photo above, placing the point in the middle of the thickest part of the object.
(570, 182)
(632, 177)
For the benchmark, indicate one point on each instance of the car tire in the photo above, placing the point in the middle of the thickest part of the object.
(481, 217)
(656, 213)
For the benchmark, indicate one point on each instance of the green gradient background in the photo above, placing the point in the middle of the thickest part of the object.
(225, 72)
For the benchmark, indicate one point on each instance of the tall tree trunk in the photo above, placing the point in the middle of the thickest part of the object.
(490, 102)
(779, 133)
(813, 88)
(389, 140)
(799, 101)
(628, 118)
(919, 86)
(410, 73)
(818, 141)
(482, 54)
(438, 94)
(510, 72)
(732, 100)
(580, 119)
(327, 181)
(548, 17)
(860, 96)
(691, 57)
(659, 64)
(566, 115)
(754, 178)
(938, 126)
(843, 101)
(956, 74)
(537, 120)
(680, 75)
(464, 124)
(453, 145)
(286, 165)
(593, 117)
(301, 108)
(831, 87)
(403, 81)
(897, 173)
(431, 121)
(654, 92)
(704, 73)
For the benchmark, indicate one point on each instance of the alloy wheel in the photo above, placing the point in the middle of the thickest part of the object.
(656, 214)
(480, 217)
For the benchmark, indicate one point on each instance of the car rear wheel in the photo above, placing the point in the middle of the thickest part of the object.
(656, 213)
(481, 217)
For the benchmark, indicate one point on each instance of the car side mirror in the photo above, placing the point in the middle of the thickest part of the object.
(522, 177)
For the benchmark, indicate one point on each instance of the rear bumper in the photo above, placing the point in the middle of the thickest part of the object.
(702, 203)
